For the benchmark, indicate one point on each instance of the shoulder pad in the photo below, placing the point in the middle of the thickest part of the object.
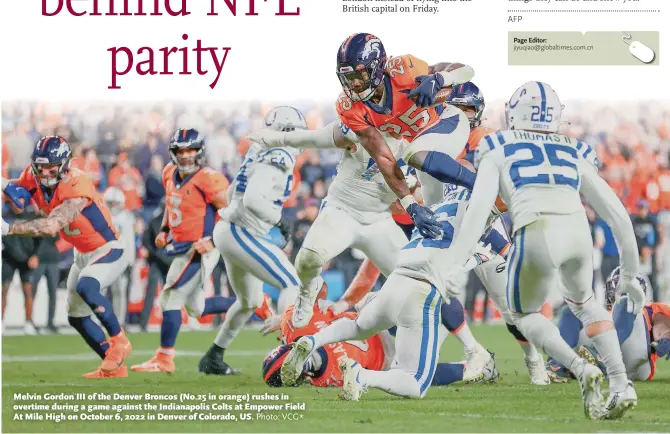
(278, 157)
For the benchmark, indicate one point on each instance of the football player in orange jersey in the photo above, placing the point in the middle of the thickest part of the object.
(73, 208)
(643, 337)
(376, 353)
(397, 95)
(194, 194)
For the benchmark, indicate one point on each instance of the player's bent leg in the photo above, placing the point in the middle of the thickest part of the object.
(381, 242)
(333, 231)
(633, 333)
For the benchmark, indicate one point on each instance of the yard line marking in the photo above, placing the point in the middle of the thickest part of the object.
(93, 356)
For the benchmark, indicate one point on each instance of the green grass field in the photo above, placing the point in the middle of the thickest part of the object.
(54, 364)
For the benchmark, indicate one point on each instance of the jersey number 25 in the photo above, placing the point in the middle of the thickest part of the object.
(545, 175)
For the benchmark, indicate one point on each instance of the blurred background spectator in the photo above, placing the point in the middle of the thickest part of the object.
(126, 146)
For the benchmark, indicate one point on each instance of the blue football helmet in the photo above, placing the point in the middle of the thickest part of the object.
(612, 285)
(468, 95)
(51, 151)
(272, 366)
(187, 138)
(361, 64)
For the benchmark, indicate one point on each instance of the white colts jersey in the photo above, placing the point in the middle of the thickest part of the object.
(260, 188)
(124, 222)
(359, 187)
(540, 173)
(425, 258)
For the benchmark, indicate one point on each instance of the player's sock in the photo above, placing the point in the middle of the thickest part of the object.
(545, 335)
(343, 329)
(445, 169)
(236, 318)
(569, 326)
(216, 351)
(92, 334)
(447, 373)
(453, 318)
(217, 304)
(607, 344)
(89, 290)
(529, 349)
(394, 381)
(170, 328)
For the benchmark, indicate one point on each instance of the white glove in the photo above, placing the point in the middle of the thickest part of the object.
(452, 283)
(268, 138)
(337, 307)
(271, 324)
(628, 284)
(5, 227)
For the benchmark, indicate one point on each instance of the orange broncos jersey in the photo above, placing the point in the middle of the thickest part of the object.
(93, 227)
(476, 134)
(650, 311)
(369, 352)
(191, 215)
(399, 116)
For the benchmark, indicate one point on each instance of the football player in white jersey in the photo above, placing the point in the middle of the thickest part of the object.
(256, 197)
(355, 213)
(408, 300)
(540, 175)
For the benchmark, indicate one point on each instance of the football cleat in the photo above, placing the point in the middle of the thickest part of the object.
(478, 357)
(161, 362)
(212, 364)
(351, 387)
(558, 373)
(121, 372)
(589, 382)
(618, 403)
(293, 366)
(119, 349)
(29, 329)
(538, 375)
(303, 309)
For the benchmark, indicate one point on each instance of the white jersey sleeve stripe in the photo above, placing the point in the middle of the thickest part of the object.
(489, 140)
(588, 151)
(580, 145)
(501, 138)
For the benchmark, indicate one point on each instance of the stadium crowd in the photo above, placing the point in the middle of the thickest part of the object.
(125, 146)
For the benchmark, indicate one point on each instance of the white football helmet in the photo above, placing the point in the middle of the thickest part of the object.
(115, 200)
(534, 106)
(285, 118)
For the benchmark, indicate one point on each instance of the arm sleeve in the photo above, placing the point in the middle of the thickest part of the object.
(323, 138)
(483, 197)
(258, 195)
(608, 206)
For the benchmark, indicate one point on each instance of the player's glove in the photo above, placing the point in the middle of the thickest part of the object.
(271, 324)
(662, 348)
(19, 196)
(268, 138)
(425, 222)
(285, 228)
(5, 228)
(629, 284)
(337, 307)
(427, 89)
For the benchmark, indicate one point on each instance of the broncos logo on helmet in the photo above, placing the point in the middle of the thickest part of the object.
(54, 152)
(272, 366)
(612, 284)
(186, 139)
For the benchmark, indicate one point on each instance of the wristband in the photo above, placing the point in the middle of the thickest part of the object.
(165, 229)
(407, 201)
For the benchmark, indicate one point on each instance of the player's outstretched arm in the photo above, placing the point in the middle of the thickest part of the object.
(322, 138)
(483, 199)
(61, 216)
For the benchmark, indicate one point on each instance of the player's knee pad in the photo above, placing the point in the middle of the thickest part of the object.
(308, 263)
(589, 312)
(453, 315)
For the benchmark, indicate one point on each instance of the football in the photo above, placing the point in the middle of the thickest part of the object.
(441, 96)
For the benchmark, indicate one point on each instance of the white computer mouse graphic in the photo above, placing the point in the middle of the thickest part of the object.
(641, 51)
